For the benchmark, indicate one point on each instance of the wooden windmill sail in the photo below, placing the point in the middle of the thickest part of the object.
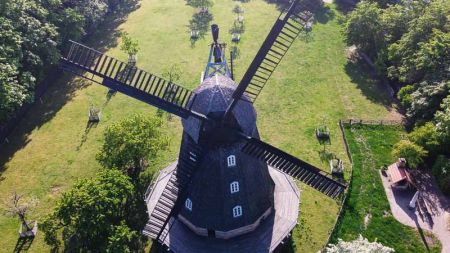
(226, 183)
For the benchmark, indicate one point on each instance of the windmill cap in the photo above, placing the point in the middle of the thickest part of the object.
(213, 96)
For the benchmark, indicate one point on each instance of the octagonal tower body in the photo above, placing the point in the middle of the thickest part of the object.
(231, 192)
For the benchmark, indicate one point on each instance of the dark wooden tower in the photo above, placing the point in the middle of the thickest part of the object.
(226, 177)
(228, 191)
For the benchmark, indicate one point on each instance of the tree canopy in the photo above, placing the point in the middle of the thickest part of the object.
(412, 152)
(32, 35)
(129, 45)
(92, 216)
(132, 142)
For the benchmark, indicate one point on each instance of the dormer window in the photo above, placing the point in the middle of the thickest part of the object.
(188, 204)
(231, 161)
(234, 187)
(237, 211)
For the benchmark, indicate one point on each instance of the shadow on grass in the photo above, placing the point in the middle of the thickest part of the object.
(63, 89)
(287, 246)
(322, 13)
(89, 126)
(345, 6)
(23, 244)
(106, 34)
(368, 83)
(199, 22)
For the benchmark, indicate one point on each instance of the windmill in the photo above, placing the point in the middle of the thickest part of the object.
(228, 191)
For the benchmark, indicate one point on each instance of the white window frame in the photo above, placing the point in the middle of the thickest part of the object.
(237, 211)
(188, 204)
(231, 160)
(234, 187)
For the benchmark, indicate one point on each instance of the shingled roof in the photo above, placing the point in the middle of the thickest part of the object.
(214, 95)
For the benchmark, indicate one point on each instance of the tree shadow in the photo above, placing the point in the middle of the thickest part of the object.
(111, 93)
(286, 246)
(40, 113)
(368, 83)
(314, 6)
(23, 244)
(159, 248)
(200, 22)
(63, 89)
(345, 6)
(106, 35)
(89, 126)
(324, 14)
(325, 155)
(306, 36)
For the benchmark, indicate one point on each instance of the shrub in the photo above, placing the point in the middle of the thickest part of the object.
(359, 245)
(412, 152)
(427, 137)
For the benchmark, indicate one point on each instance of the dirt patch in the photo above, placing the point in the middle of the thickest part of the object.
(429, 239)
(367, 220)
(55, 190)
(394, 114)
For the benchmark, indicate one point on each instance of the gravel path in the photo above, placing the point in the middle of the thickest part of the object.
(432, 218)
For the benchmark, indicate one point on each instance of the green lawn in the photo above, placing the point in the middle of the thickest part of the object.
(51, 148)
(371, 148)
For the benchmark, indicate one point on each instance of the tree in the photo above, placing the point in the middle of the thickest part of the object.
(433, 55)
(121, 236)
(129, 45)
(442, 118)
(71, 24)
(92, 216)
(32, 33)
(12, 93)
(93, 11)
(17, 206)
(238, 10)
(363, 28)
(172, 73)
(405, 95)
(412, 152)
(132, 143)
(360, 245)
(426, 100)
(426, 136)
(422, 33)
(200, 3)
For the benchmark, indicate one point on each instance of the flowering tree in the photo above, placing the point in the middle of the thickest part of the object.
(360, 245)
(17, 206)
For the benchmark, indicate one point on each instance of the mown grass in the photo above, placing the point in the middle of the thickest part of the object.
(371, 148)
(314, 83)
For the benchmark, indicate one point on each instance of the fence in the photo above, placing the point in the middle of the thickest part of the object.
(14, 120)
(347, 148)
(349, 154)
(371, 122)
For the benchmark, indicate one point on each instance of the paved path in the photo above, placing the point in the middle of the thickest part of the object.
(431, 219)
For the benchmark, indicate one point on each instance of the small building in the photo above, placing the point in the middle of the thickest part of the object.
(399, 175)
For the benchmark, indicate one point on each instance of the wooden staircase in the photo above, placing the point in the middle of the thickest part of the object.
(174, 195)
